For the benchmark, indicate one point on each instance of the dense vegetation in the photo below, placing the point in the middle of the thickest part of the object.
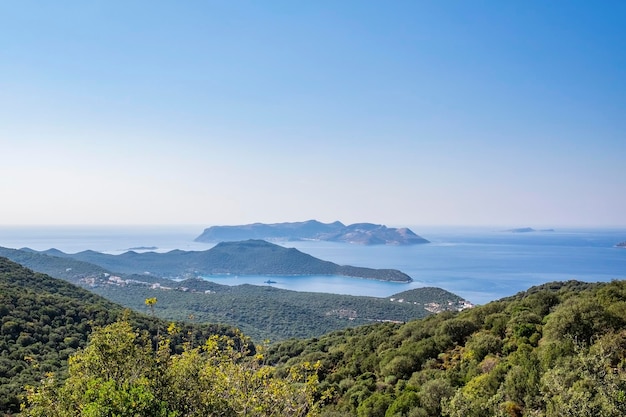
(261, 312)
(271, 313)
(120, 374)
(44, 320)
(555, 350)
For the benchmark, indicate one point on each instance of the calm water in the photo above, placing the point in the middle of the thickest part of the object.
(478, 264)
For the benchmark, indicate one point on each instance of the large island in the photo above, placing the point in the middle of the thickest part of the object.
(358, 233)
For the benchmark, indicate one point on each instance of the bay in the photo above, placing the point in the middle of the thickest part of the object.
(479, 264)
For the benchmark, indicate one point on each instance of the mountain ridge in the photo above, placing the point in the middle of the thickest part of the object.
(251, 257)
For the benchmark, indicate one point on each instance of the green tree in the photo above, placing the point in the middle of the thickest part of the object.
(592, 383)
(119, 375)
(374, 406)
(113, 376)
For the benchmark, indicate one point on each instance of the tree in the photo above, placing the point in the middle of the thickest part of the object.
(112, 376)
(150, 302)
(119, 374)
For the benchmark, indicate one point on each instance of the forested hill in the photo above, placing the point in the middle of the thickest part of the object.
(256, 257)
(43, 320)
(558, 349)
(261, 312)
(555, 350)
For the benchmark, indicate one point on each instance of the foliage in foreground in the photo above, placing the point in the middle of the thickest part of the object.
(44, 320)
(554, 351)
(120, 374)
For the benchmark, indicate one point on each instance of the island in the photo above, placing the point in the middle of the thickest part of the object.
(527, 230)
(143, 248)
(357, 233)
(250, 257)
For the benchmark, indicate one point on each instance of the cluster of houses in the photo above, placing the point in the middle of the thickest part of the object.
(438, 307)
(108, 279)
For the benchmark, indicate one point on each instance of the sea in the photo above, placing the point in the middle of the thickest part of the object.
(478, 264)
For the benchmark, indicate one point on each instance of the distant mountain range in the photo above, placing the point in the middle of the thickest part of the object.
(250, 257)
(358, 233)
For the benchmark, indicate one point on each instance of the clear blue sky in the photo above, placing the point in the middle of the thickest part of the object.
(229, 112)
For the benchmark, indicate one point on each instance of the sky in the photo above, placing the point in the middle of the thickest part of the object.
(233, 112)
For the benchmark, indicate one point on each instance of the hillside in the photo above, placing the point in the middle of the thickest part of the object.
(253, 257)
(43, 320)
(262, 312)
(358, 233)
(555, 350)
(268, 313)
(558, 349)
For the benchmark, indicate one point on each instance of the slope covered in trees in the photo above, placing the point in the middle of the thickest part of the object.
(262, 312)
(120, 374)
(275, 314)
(554, 350)
(44, 320)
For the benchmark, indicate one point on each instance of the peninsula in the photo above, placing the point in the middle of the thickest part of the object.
(357, 233)
(250, 257)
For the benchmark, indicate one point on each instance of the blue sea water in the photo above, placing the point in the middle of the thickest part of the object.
(478, 264)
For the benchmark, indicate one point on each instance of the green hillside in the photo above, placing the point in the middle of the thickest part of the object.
(554, 350)
(265, 312)
(261, 312)
(44, 320)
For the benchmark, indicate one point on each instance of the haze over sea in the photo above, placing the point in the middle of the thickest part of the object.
(479, 264)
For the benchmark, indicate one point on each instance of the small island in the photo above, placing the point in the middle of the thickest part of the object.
(357, 233)
(527, 230)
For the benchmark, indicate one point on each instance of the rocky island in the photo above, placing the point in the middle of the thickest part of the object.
(357, 233)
